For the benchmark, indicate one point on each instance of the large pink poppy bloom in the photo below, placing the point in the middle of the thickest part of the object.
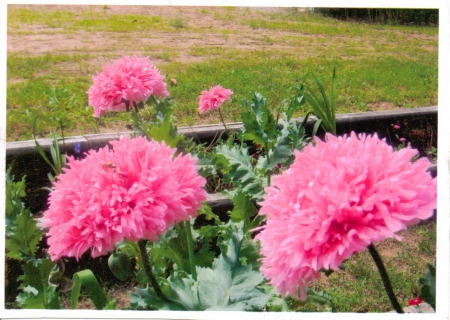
(336, 199)
(131, 79)
(213, 98)
(136, 190)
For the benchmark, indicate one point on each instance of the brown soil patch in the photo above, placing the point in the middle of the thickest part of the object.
(120, 294)
(42, 39)
(204, 27)
(377, 106)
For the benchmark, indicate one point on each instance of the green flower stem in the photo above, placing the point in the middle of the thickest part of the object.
(190, 242)
(223, 122)
(135, 107)
(384, 276)
(269, 174)
(148, 270)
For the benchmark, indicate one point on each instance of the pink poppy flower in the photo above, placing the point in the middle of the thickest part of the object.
(136, 190)
(213, 99)
(127, 79)
(336, 199)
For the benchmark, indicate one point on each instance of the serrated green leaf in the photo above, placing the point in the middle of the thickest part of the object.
(243, 210)
(14, 193)
(161, 127)
(290, 137)
(240, 171)
(172, 245)
(276, 302)
(36, 292)
(250, 254)
(180, 290)
(23, 238)
(205, 165)
(229, 284)
(166, 131)
(259, 124)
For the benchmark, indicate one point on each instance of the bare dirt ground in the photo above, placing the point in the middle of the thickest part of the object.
(43, 39)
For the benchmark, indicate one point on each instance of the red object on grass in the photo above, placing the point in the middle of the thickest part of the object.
(415, 301)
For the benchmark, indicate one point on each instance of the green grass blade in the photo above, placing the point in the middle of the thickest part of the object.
(54, 151)
(322, 92)
(332, 102)
(305, 119)
(93, 288)
(75, 292)
(40, 149)
(316, 127)
(319, 111)
(315, 104)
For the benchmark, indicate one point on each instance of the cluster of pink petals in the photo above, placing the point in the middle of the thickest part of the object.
(133, 79)
(213, 98)
(336, 199)
(136, 190)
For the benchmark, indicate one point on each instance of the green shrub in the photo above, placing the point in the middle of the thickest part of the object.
(389, 16)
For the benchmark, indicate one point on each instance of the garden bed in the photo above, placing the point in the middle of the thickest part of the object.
(418, 126)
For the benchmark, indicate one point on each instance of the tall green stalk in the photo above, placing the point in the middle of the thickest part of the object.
(148, 270)
(385, 278)
(223, 122)
(190, 243)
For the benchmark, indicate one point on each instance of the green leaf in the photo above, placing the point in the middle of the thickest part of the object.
(14, 207)
(205, 164)
(229, 285)
(93, 288)
(276, 302)
(238, 168)
(250, 253)
(166, 131)
(36, 292)
(161, 127)
(172, 245)
(180, 289)
(428, 286)
(321, 298)
(23, 238)
(295, 103)
(324, 108)
(291, 136)
(259, 124)
(243, 210)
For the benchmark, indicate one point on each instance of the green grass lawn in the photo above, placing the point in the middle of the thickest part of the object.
(240, 48)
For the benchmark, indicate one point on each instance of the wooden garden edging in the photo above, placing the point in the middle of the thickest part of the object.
(25, 159)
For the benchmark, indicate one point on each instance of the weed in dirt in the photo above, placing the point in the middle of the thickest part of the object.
(178, 23)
